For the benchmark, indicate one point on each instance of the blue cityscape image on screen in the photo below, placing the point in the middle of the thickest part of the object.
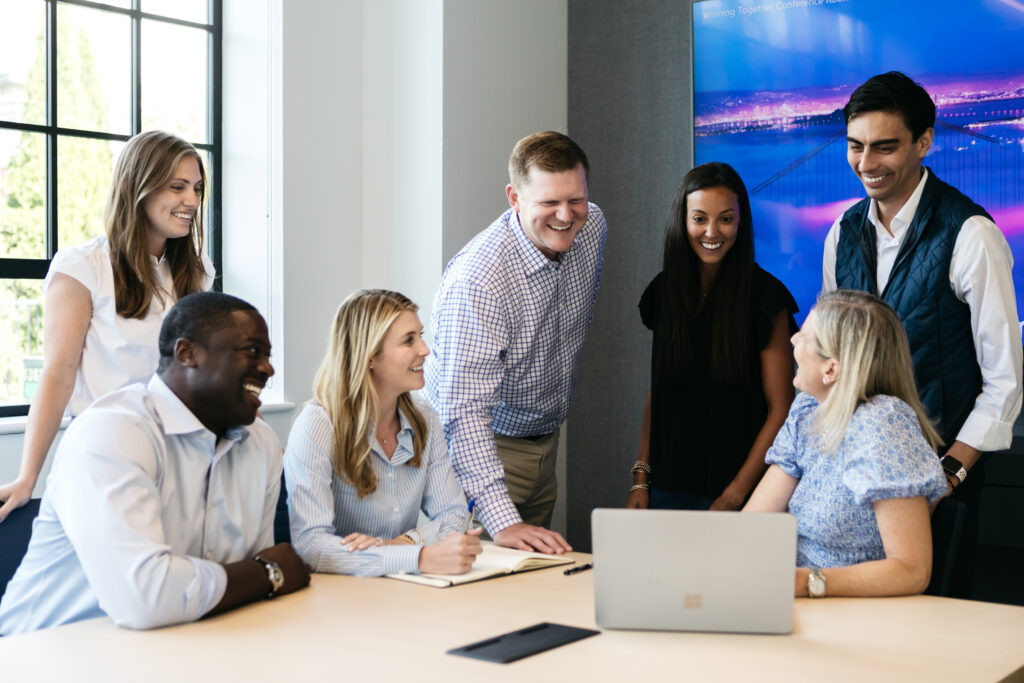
(770, 79)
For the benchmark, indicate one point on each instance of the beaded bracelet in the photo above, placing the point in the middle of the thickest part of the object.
(640, 466)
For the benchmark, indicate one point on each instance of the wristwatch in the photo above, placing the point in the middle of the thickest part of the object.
(816, 584)
(954, 468)
(274, 573)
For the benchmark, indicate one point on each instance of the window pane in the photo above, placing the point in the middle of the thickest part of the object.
(189, 10)
(208, 200)
(21, 339)
(22, 61)
(93, 69)
(84, 171)
(174, 67)
(22, 194)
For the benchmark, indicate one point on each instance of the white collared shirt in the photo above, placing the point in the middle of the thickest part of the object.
(142, 507)
(118, 351)
(980, 274)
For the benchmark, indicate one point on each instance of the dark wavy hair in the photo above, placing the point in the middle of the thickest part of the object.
(728, 298)
(897, 93)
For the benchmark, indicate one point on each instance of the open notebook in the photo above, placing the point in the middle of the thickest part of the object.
(493, 561)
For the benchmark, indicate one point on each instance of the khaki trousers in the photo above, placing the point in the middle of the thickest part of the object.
(530, 474)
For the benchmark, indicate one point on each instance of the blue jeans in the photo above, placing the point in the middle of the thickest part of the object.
(665, 499)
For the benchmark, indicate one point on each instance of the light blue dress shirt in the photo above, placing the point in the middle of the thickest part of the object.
(883, 455)
(142, 507)
(508, 327)
(323, 508)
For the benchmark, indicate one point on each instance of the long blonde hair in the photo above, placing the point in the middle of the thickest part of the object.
(344, 388)
(867, 339)
(146, 165)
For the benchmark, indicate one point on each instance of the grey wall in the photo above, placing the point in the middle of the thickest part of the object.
(629, 108)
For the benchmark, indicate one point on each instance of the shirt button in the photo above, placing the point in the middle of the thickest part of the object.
(208, 555)
(396, 509)
(390, 475)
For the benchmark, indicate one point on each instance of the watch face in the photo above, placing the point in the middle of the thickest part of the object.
(276, 577)
(816, 585)
(951, 465)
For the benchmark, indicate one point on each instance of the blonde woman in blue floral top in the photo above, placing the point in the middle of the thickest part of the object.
(855, 461)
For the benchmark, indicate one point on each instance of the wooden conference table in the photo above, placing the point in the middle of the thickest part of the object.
(345, 629)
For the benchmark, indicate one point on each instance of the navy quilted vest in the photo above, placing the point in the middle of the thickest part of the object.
(938, 324)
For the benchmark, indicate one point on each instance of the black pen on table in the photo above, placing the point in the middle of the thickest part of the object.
(580, 568)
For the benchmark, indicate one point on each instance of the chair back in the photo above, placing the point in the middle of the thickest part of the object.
(947, 526)
(15, 532)
(282, 530)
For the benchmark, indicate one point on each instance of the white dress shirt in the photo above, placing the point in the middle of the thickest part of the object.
(142, 507)
(323, 509)
(980, 274)
(118, 351)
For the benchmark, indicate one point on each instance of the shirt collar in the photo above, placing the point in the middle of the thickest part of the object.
(403, 446)
(534, 258)
(175, 416)
(904, 217)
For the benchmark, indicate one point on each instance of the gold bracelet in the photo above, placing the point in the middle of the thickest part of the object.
(640, 466)
(639, 487)
(408, 539)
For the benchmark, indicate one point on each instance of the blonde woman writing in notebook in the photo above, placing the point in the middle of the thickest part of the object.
(364, 457)
(106, 299)
(855, 460)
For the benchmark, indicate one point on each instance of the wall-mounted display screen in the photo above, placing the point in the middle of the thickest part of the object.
(770, 79)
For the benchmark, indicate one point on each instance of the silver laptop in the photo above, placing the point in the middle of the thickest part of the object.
(694, 571)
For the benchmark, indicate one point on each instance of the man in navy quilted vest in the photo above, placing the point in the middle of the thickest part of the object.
(944, 266)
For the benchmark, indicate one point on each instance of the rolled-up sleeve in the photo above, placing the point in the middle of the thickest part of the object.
(981, 276)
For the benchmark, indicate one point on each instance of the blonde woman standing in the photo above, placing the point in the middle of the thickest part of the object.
(105, 299)
(856, 459)
(364, 458)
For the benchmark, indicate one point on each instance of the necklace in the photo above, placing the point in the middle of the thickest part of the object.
(384, 440)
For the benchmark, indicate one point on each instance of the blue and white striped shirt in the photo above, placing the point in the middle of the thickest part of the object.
(508, 326)
(324, 509)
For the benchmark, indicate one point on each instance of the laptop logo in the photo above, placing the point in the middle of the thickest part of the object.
(693, 601)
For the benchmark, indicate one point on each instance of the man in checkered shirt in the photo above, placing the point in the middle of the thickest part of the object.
(509, 322)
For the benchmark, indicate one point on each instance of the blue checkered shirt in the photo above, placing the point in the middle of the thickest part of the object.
(508, 326)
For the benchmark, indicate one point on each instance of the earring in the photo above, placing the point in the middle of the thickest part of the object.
(371, 366)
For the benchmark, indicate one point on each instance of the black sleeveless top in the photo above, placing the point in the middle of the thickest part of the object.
(702, 429)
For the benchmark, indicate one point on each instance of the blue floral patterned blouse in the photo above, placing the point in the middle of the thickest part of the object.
(883, 455)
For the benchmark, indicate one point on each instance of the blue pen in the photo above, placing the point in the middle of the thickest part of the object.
(469, 522)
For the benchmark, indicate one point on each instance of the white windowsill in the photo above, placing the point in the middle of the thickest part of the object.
(16, 425)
